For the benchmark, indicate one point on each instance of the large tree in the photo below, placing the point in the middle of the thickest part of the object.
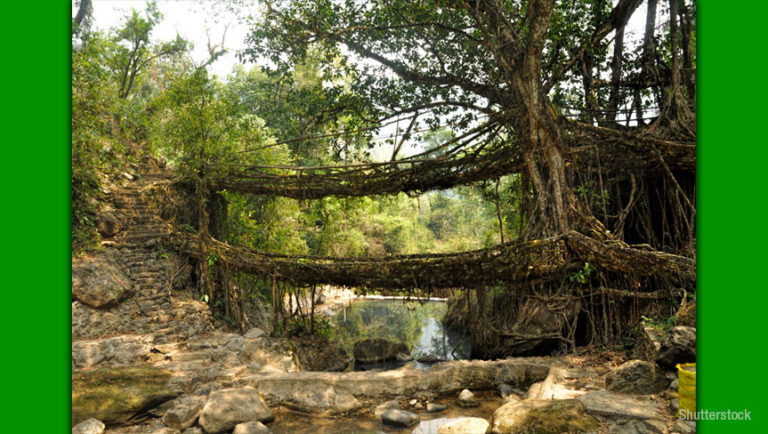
(519, 66)
(597, 122)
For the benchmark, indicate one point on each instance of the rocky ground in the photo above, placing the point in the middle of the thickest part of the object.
(147, 359)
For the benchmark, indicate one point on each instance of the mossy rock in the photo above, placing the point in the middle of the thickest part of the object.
(116, 395)
(543, 417)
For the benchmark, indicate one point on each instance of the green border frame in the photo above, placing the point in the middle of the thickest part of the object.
(36, 254)
(731, 241)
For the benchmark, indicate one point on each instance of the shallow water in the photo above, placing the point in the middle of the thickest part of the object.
(418, 325)
(289, 422)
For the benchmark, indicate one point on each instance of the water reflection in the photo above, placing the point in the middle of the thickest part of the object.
(416, 324)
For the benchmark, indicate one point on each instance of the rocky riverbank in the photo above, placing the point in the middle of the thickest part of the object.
(148, 359)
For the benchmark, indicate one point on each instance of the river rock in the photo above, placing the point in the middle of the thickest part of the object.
(183, 415)
(467, 399)
(114, 351)
(612, 405)
(99, 282)
(399, 418)
(115, 395)
(465, 425)
(568, 415)
(381, 408)
(636, 377)
(435, 408)
(430, 358)
(377, 350)
(90, 426)
(193, 430)
(252, 427)
(674, 384)
(679, 347)
(228, 407)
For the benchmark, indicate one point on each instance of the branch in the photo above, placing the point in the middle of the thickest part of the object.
(618, 18)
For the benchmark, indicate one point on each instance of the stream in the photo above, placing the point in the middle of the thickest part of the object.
(416, 324)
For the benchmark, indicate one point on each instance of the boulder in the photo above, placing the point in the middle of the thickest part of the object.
(90, 426)
(381, 408)
(315, 353)
(555, 386)
(679, 346)
(99, 282)
(115, 395)
(254, 333)
(684, 426)
(636, 377)
(89, 322)
(252, 427)
(647, 342)
(229, 407)
(108, 224)
(269, 355)
(399, 418)
(504, 390)
(637, 426)
(686, 316)
(377, 350)
(467, 399)
(568, 415)
(183, 415)
(465, 425)
(345, 401)
(611, 405)
(114, 351)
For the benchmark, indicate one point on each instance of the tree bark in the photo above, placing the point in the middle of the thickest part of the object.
(83, 11)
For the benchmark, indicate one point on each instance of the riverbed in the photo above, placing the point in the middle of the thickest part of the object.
(417, 324)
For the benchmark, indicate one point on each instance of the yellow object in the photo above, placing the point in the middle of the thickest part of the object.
(686, 390)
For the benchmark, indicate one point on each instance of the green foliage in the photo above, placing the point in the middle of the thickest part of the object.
(662, 325)
(582, 276)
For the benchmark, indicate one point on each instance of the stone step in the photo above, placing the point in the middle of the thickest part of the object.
(194, 365)
(143, 238)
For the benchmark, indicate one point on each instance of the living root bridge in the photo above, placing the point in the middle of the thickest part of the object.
(410, 176)
(519, 262)
(595, 146)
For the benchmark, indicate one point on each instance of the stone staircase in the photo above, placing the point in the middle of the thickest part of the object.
(143, 223)
(149, 323)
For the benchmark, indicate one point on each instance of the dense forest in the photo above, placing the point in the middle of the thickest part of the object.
(544, 132)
